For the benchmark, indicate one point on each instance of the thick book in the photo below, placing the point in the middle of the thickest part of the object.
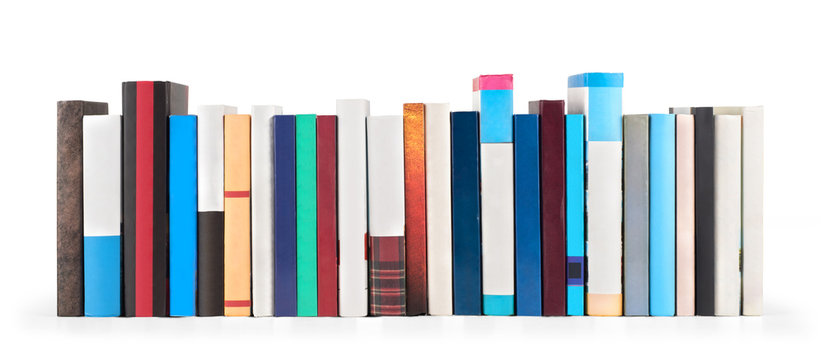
(285, 222)
(263, 205)
(492, 97)
(210, 208)
(727, 201)
(466, 213)
(146, 109)
(70, 202)
(575, 268)
(598, 97)
(306, 205)
(662, 214)
(498, 228)
(684, 215)
(636, 214)
(327, 216)
(752, 210)
(387, 259)
(415, 206)
(553, 202)
(438, 209)
(182, 215)
(101, 215)
(237, 184)
(527, 216)
(352, 223)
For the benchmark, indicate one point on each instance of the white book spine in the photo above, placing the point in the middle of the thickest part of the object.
(685, 214)
(727, 198)
(263, 294)
(386, 176)
(352, 226)
(604, 216)
(210, 156)
(101, 175)
(752, 166)
(438, 209)
(498, 225)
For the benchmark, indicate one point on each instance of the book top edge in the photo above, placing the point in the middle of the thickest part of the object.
(492, 82)
(597, 80)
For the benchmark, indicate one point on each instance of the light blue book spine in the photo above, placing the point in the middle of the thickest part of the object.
(527, 217)
(662, 215)
(575, 213)
(182, 214)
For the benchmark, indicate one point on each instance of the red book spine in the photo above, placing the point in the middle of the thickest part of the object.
(144, 159)
(327, 212)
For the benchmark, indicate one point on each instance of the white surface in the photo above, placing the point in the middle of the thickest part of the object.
(603, 207)
(438, 208)
(770, 58)
(209, 154)
(263, 206)
(752, 210)
(385, 175)
(101, 175)
(497, 219)
(352, 279)
(727, 200)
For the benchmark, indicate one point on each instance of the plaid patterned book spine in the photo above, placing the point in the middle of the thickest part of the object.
(387, 276)
(327, 219)
(307, 213)
(237, 241)
(415, 207)
(285, 237)
(182, 214)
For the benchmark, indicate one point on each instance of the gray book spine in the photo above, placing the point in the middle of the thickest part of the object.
(636, 215)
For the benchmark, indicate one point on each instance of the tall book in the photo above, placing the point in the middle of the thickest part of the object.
(727, 201)
(684, 215)
(182, 215)
(101, 215)
(752, 210)
(387, 268)
(351, 187)
(307, 213)
(438, 209)
(327, 216)
(146, 109)
(414, 141)
(492, 97)
(285, 211)
(598, 97)
(662, 215)
(263, 207)
(70, 202)
(553, 202)
(527, 216)
(575, 269)
(636, 214)
(210, 194)
(466, 213)
(237, 182)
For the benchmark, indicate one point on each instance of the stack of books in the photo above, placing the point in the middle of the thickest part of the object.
(572, 209)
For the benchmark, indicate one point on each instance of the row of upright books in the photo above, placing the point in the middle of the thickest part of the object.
(571, 209)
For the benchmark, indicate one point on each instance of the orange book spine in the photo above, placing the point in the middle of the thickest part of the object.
(415, 208)
(236, 202)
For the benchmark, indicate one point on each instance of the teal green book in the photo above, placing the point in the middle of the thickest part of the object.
(307, 220)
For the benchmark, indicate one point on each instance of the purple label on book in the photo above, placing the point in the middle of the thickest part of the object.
(575, 270)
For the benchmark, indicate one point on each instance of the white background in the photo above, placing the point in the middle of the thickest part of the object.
(303, 56)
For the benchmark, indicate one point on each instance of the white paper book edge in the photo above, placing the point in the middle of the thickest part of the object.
(438, 209)
(101, 175)
(497, 219)
(210, 156)
(386, 176)
(727, 214)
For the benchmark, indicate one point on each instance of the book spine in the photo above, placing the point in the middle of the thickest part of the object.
(527, 216)
(466, 213)
(636, 214)
(662, 215)
(685, 215)
(727, 201)
(414, 142)
(327, 219)
(307, 211)
(598, 97)
(182, 214)
(285, 221)
(351, 212)
(70, 203)
(492, 95)
(574, 156)
(387, 260)
(101, 215)
(237, 240)
(210, 219)
(752, 209)
(263, 245)
(553, 201)
(438, 209)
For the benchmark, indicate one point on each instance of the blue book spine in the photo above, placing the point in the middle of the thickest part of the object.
(527, 217)
(466, 217)
(285, 216)
(662, 215)
(182, 214)
(575, 213)
(101, 275)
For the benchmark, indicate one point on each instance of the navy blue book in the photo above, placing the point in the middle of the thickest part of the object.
(285, 216)
(527, 217)
(466, 213)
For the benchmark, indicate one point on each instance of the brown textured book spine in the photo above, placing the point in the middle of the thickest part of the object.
(70, 202)
(415, 207)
